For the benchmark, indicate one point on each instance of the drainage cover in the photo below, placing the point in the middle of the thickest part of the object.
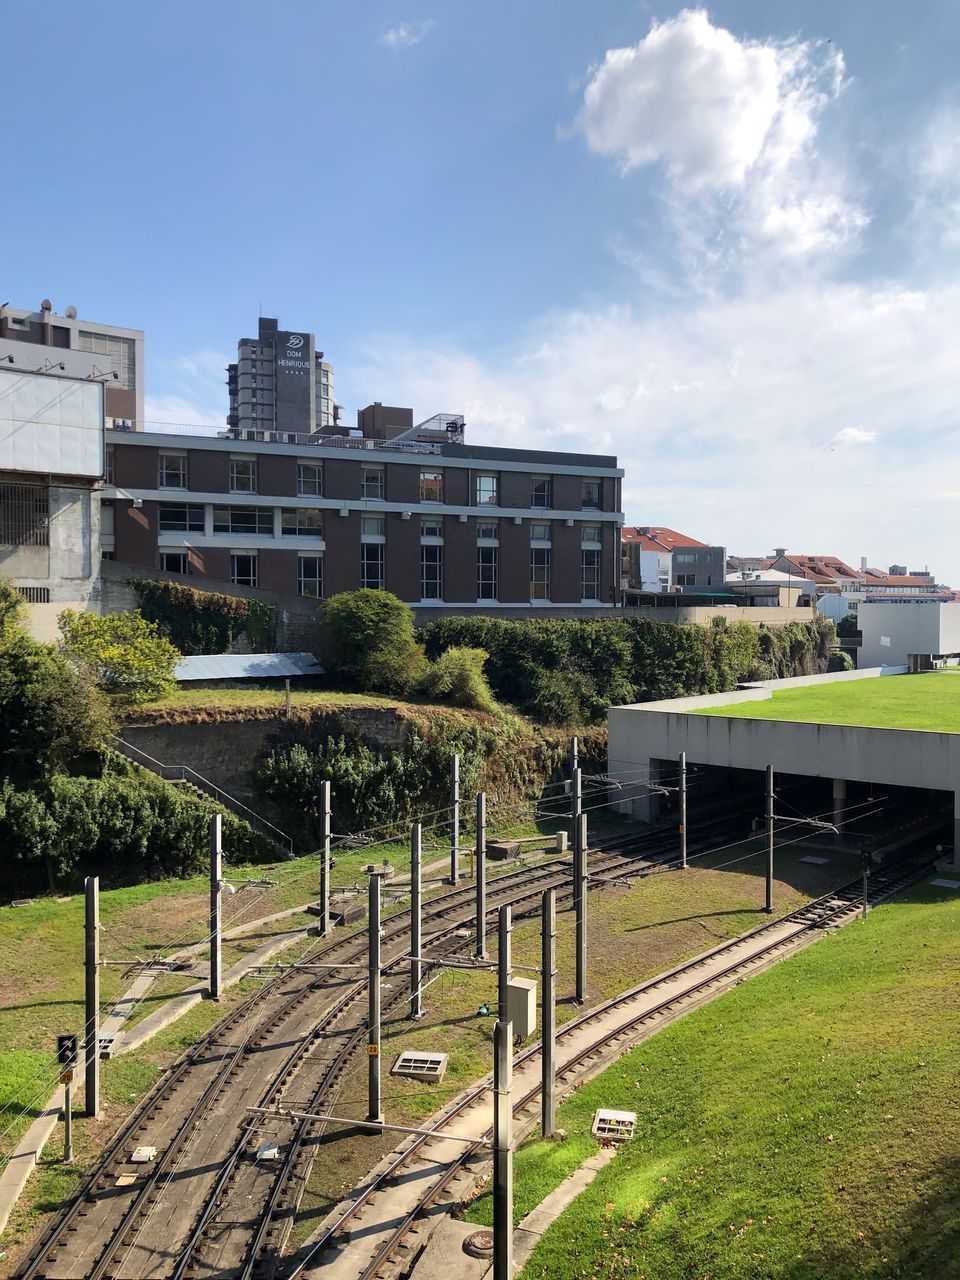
(614, 1126)
(480, 1244)
(421, 1066)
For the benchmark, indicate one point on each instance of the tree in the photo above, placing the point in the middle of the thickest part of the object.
(122, 652)
(367, 639)
(457, 677)
(11, 611)
(50, 716)
(848, 627)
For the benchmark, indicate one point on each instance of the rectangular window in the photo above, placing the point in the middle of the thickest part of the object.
(302, 522)
(371, 565)
(181, 519)
(487, 530)
(540, 491)
(431, 528)
(310, 576)
(174, 561)
(488, 573)
(256, 520)
(309, 479)
(590, 533)
(120, 353)
(685, 557)
(431, 486)
(590, 495)
(540, 573)
(539, 533)
(686, 579)
(590, 575)
(243, 569)
(172, 471)
(371, 526)
(24, 515)
(108, 469)
(371, 483)
(431, 572)
(486, 490)
(243, 475)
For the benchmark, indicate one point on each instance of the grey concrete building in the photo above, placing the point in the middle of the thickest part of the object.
(280, 383)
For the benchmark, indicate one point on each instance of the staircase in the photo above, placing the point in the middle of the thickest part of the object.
(183, 773)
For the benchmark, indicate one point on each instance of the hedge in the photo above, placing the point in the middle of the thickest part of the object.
(566, 671)
(205, 621)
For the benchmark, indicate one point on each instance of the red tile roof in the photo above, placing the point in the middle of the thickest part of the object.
(658, 538)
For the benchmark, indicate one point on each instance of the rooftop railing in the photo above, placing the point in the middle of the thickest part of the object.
(301, 440)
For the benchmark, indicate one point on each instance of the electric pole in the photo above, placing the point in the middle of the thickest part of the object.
(416, 918)
(216, 898)
(481, 860)
(580, 903)
(374, 1110)
(455, 818)
(324, 859)
(91, 1038)
(683, 810)
(548, 965)
(503, 1113)
(771, 798)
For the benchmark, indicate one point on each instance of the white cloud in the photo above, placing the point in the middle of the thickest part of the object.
(854, 436)
(735, 125)
(719, 413)
(934, 158)
(406, 34)
(195, 395)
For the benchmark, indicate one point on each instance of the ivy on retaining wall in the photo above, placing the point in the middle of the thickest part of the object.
(205, 621)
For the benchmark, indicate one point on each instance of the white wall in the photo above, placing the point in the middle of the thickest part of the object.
(892, 631)
(50, 425)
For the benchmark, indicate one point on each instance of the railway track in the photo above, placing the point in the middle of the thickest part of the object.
(378, 1233)
(200, 1203)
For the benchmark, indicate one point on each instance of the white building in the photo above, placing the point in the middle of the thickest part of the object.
(913, 633)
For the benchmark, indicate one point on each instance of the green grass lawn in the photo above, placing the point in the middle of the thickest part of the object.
(254, 697)
(929, 701)
(806, 1126)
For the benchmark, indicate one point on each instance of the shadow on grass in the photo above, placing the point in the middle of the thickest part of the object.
(700, 915)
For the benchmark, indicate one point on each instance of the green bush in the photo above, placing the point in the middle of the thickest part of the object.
(12, 610)
(848, 627)
(123, 653)
(51, 717)
(368, 640)
(840, 661)
(205, 621)
(457, 677)
(125, 826)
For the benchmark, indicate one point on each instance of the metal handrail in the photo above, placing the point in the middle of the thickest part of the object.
(204, 784)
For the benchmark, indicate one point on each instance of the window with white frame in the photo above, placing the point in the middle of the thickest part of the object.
(310, 479)
(172, 471)
(371, 526)
(301, 522)
(243, 568)
(243, 520)
(488, 572)
(488, 531)
(431, 486)
(174, 561)
(371, 483)
(539, 573)
(539, 532)
(540, 491)
(243, 475)
(310, 576)
(590, 495)
(486, 490)
(108, 468)
(371, 565)
(590, 533)
(180, 519)
(590, 574)
(431, 528)
(431, 571)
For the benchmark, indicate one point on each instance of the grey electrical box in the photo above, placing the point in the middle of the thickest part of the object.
(522, 1006)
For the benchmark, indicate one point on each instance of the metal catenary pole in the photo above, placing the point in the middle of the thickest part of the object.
(374, 1110)
(865, 871)
(771, 799)
(548, 1019)
(68, 1122)
(503, 1114)
(683, 809)
(481, 860)
(454, 818)
(580, 900)
(91, 1035)
(574, 753)
(576, 807)
(416, 918)
(216, 899)
(324, 858)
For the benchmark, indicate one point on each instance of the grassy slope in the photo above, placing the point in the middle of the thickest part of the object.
(804, 1126)
(929, 701)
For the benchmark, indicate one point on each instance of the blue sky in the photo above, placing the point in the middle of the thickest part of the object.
(721, 243)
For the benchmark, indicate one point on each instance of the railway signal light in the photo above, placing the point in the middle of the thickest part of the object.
(67, 1051)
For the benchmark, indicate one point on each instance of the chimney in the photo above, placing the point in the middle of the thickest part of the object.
(863, 564)
(778, 552)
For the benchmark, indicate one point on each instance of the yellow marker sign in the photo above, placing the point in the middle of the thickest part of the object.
(373, 1050)
(66, 1077)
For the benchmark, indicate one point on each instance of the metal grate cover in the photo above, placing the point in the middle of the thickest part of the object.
(421, 1066)
(614, 1126)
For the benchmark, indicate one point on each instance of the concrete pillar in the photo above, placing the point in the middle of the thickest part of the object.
(646, 807)
(839, 801)
(955, 859)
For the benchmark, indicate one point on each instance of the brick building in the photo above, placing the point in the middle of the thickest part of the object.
(436, 521)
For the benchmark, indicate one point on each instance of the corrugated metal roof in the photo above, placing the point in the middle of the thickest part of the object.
(246, 666)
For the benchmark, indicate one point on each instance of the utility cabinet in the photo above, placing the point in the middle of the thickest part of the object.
(522, 1006)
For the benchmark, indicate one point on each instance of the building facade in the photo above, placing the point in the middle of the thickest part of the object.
(280, 383)
(658, 559)
(45, 342)
(435, 521)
